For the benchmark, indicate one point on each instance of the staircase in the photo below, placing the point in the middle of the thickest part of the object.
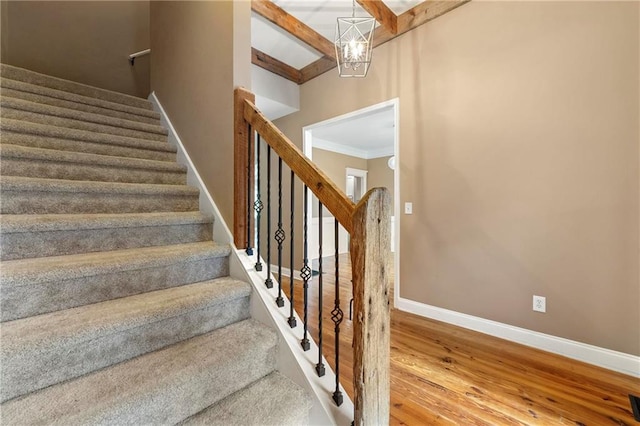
(116, 306)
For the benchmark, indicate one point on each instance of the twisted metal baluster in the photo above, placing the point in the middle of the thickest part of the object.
(257, 205)
(320, 365)
(280, 236)
(336, 316)
(292, 318)
(305, 272)
(249, 250)
(268, 282)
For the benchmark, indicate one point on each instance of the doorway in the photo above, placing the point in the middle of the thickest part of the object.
(356, 184)
(358, 148)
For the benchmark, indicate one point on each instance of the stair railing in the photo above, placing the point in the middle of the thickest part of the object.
(368, 226)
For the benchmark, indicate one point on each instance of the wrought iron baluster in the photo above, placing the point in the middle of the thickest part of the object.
(280, 236)
(320, 365)
(249, 250)
(336, 317)
(292, 318)
(258, 206)
(268, 282)
(305, 272)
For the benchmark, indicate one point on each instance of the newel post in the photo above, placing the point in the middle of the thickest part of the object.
(370, 255)
(242, 174)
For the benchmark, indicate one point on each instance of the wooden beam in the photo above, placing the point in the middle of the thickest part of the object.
(316, 68)
(276, 66)
(370, 254)
(293, 26)
(241, 178)
(382, 13)
(425, 12)
(413, 18)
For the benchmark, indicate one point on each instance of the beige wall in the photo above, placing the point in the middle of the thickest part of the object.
(83, 41)
(192, 74)
(380, 175)
(335, 164)
(519, 149)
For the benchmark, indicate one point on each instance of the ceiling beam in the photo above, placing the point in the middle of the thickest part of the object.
(412, 18)
(293, 26)
(382, 13)
(276, 66)
(416, 16)
(425, 12)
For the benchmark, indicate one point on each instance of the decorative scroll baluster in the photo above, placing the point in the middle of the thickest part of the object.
(292, 318)
(305, 272)
(258, 204)
(249, 250)
(268, 282)
(279, 236)
(320, 364)
(336, 317)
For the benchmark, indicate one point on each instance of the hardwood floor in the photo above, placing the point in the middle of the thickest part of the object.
(446, 375)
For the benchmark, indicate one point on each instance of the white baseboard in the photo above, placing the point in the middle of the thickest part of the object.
(606, 358)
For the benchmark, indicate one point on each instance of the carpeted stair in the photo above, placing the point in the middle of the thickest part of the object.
(116, 305)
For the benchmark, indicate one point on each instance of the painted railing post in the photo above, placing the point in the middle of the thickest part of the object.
(241, 162)
(370, 255)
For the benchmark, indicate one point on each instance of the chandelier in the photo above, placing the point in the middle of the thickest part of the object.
(354, 44)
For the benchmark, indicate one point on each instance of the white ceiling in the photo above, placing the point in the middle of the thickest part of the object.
(320, 15)
(367, 135)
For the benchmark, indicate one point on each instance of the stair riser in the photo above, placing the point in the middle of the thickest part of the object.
(26, 76)
(34, 299)
(37, 141)
(77, 171)
(43, 202)
(65, 100)
(15, 114)
(53, 101)
(32, 371)
(21, 245)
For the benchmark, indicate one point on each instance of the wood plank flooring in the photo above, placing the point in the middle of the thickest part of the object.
(446, 375)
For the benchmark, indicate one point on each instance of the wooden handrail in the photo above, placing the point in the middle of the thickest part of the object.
(332, 197)
(368, 222)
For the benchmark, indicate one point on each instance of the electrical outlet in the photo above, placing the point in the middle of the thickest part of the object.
(539, 303)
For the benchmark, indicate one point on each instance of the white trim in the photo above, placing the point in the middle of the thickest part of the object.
(606, 358)
(367, 154)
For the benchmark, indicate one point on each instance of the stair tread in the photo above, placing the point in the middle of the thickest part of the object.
(48, 92)
(21, 74)
(8, 150)
(62, 112)
(256, 405)
(18, 183)
(164, 386)
(20, 272)
(89, 322)
(60, 222)
(76, 124)
(49, 130)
